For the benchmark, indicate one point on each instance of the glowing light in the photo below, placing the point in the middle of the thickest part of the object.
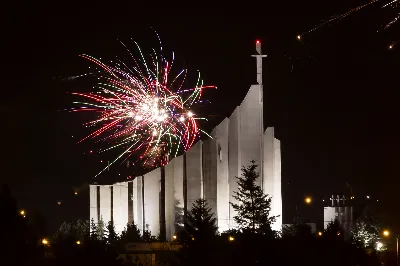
(379, 246)
(308, 200)
(386, 233)
(320, 233)
(174, 237)
(298, 37)
(45, 241)
(78, 242)
(22, 212)
(139, 108)
(258, 42)
(231, 238)
(75, 193)
(367, 196)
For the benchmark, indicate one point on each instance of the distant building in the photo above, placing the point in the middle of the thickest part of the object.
(340, 211)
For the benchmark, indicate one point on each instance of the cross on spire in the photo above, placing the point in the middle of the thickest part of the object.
(259, 57)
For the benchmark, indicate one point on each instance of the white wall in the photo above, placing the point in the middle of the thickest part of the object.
(221, 136)
(120, 206)
(93, 203)
(251, 128)
(329, 215)
(272, 175)
(173, 195)
(152, 201)
(105, 204)
(210, 173)
(138, 211)
(194, 174)
(178, 192)
(234, 163)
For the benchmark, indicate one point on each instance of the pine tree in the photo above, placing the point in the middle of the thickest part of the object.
(93, 230)
(131, 234)
(101, 230)
(112, 236)
(201, 223)
(253, 205)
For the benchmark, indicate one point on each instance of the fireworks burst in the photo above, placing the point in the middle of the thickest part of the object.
(142, 112)
(384, 4)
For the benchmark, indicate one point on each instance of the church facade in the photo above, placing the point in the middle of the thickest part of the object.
(159, 200)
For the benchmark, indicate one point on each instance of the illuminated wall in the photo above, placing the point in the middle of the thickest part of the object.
(138, 207)
(93, 203)
(234, 162)
(221, 135)
(272, 175)
(344, 215)
(173, 196)
(120, 206)
(251, 129)
(194, 174)
(152, 201)
(105, 204)
(210, 173)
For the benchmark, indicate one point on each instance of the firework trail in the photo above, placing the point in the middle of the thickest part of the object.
(143, 111)
(337, 18)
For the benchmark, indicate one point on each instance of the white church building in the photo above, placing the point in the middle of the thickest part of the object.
(158, 200)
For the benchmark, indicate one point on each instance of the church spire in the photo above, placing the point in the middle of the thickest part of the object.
(259, 57)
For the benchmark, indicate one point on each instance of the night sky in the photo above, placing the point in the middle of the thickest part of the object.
(333, 97)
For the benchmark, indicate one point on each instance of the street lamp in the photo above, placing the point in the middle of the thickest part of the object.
(231, 238)
(386, 233)
(307, 200)
(78, 242)
(22, 212)
(45, 241)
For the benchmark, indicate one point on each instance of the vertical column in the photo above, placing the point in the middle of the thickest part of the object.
(251, 131)
(169, 199)
(134, 201)
(194, 173)
(210, 174)
(220, 133)
(277, 205)
(179, 199)
(93, 203)
(152, 201)
(162, 205)
(120, 206)
(272, 175)
(129, 199)
(140, 210)
(234, 162)
(105, 204)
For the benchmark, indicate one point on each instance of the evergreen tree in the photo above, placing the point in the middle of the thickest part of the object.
(131, 234)
(112, 236)
(101, 229)
(334, 231)
(253, 205)
(93, 231)
(201, 223)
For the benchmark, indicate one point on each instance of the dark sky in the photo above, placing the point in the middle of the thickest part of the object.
(333, 96)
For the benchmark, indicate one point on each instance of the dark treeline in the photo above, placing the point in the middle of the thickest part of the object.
(252, 243)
